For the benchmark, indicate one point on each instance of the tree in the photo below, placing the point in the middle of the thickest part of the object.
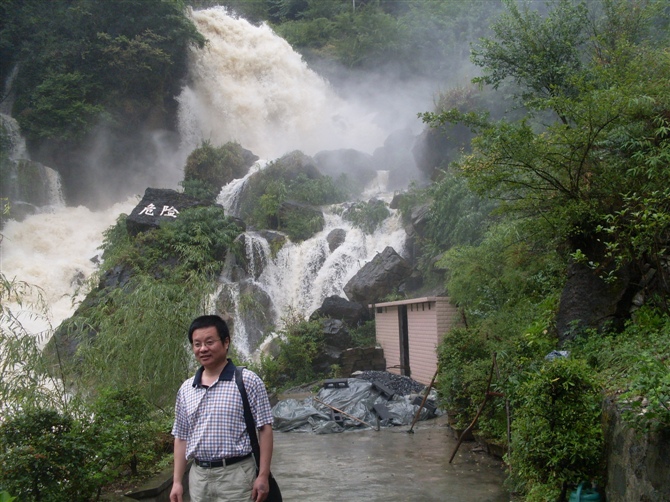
(28, 379)
(78, 59)
(539, 54)
(598, 162)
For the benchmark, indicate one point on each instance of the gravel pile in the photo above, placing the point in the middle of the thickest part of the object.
(399, 384)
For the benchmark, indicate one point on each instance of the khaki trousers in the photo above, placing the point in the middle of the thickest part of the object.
(222, 484)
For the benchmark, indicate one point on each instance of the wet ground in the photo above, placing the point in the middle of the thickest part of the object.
(386, 465)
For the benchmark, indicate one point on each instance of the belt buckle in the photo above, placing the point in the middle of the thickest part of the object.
(205, 464)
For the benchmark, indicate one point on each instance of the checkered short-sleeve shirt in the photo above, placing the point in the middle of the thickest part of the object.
(211, 419)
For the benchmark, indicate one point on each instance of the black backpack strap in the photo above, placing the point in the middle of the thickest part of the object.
(248, 417)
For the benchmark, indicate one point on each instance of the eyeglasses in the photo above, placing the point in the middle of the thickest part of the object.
(208, 343)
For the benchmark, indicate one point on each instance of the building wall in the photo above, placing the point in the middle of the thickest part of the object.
(386, 325)
(423, 339)
(427, 322)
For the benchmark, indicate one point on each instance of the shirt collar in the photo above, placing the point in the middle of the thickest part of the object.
(228, 374)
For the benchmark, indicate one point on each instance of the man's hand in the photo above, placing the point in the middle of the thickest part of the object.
(177, 492)
(261, 489)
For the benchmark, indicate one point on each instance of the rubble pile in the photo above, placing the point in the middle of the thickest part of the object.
(373, 399)
(399, 384)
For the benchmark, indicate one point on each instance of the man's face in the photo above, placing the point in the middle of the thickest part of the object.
(208, 348)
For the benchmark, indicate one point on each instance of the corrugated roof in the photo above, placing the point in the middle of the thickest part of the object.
(410, 301)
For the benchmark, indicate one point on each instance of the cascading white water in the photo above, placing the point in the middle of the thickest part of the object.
(17, 143)
(54, 251)
(18, 156)
(248, 86)
(302, 275)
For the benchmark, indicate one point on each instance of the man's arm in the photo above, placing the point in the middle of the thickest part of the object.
(262, 483)
(177, 493)
(265, 442)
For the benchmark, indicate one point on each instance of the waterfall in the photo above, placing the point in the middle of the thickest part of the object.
(302, 275)
(17, 143)
(250, 86)
(29, 186)
(54, 251)
(246, 85)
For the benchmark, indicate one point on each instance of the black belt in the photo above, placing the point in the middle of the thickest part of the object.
(209, 464)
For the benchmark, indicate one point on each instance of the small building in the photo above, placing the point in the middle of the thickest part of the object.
(409, 331)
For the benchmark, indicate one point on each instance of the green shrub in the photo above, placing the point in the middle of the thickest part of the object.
(290, 179)
(557, 434)
(137, 335)
(367, 216)
(644, 345)
(314, 33)
(300, 344)
(45, 455)
(122, 418)
(648, 397)
(464, 359)
(6, 497)
(195, 243)
(215, 166)
(199, 189)
(300, 225)
(364, 335)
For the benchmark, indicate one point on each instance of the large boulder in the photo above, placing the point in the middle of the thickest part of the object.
(336, 333)
(588, 302)
(419, 218)
(383, 275)
(336, 238)
(255, 258)
(353, 314)
(435, 149)
(158, 206)
(218, 166)
(293, 164)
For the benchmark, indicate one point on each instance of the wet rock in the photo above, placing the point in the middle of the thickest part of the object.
(587, 301)
(336, 333)
(157, 206)
(255, 313)
(396, 157)
(336, 238)
(352, 313)
(419, 218)
(378, 278)
(255, 259)
(434, 149)
(327, 358)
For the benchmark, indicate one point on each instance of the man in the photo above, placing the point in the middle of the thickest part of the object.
(209, 424)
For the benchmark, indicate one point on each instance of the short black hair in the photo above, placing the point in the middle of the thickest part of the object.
(205, 321)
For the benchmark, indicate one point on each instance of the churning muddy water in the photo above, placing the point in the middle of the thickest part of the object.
(386, 465)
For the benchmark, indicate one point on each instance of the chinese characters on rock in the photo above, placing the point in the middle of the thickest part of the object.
(170, 211)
